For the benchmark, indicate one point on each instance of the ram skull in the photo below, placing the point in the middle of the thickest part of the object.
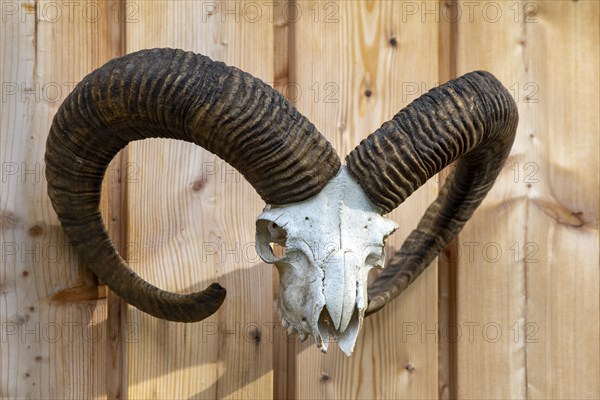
(326, 216)
(331, 243)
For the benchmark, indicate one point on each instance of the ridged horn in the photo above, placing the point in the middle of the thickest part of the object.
(471, 120)
(167, 93)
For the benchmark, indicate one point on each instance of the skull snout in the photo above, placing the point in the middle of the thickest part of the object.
(340, 287)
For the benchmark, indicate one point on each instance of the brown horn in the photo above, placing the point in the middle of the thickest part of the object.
(174, 94)
(472, 119)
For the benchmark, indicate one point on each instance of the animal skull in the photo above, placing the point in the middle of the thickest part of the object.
(331, 243)
(327, 217)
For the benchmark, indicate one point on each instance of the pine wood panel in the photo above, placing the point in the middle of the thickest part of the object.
(192, 220)
(531, 295)
(283, 353)
(563, 214)
(53, 324)
(526, 298)
(357, 64)
(113, 198)
(448, 258)
(491, 297)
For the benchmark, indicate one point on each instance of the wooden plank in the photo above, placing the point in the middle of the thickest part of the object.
(114, 212)
(356, 65)
(52, 315)
(562, 289)
(283, 353)
(448, 258)
(491, 290)
(528, 282)
(191, 220)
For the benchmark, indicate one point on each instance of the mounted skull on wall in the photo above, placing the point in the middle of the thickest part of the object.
(327, 217)
(331, 241)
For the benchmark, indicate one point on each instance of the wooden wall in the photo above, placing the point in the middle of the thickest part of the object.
(510, 310)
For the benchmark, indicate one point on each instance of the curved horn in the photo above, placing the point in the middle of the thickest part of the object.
(472, 119)
(174, 94)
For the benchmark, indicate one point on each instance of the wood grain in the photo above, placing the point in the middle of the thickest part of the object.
(514, 311)
(563, 211)
(447, 260)
(357, 64)
(283, 353)
(534, 307)
(48, 348)
(191, 221)
(113, 202)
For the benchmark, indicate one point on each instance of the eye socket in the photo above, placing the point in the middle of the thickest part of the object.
(270, 241)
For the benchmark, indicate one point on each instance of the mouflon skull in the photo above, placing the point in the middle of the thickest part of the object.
(327, 217)
(331, 242)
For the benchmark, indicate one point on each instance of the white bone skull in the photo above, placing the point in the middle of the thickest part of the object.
(331, 243)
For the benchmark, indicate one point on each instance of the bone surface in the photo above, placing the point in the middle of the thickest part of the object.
(331, 243)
